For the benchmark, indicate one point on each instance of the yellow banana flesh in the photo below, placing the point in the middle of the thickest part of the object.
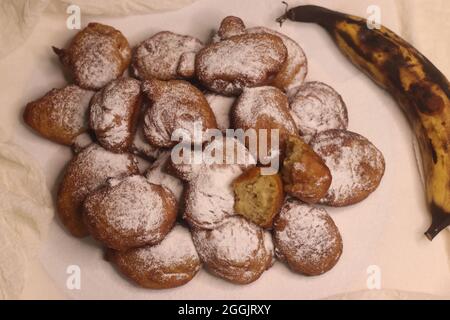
(419, 88)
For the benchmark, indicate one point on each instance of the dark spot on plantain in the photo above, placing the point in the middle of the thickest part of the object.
(355, 47)
(391, 69)
(433, 151)
(424, 99)
(376, 42)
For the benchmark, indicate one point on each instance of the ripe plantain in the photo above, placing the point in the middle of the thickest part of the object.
(419, 88)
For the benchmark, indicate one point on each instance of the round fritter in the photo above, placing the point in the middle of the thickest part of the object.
(176, 107)
(306, 238)
(129, 213)
(114, 113)
(317, 107)
(171, 263)
(247, 60)
(235, 251)
(97, 55)
(356, 166)
(87, 171)
(60, 115)
(165, 56)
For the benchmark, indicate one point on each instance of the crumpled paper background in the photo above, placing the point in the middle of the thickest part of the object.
(18, 17)
(26, 205)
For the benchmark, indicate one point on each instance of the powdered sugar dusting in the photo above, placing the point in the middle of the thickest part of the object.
(211, 197)
(155, 174)
(317, 107)
(236, 241)
(229, 57)
(245, 60)
(295, 67)
(353, 161)
(306, 234)
(96, 61)
(133, 205)
(140, 145)
(176, 248)
(81, 141)
(221, 152)
(176, 105)
(256, 103)
(221, 107)
(112, 111)
(94, 164)
(68, 108)
(159, 56)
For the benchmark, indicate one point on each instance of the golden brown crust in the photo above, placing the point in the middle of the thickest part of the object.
(165, 56)
(246, 60)
(306, 238)
(174, 105)
(305, 175)
(129, 213)
(114, 113)
(88, 170)
(235, 251)
(96, 55)
(229, 27)
(60, 115)
(294, 70)
(169, 264)
(258, 197)
(264, 108)
(356, 166)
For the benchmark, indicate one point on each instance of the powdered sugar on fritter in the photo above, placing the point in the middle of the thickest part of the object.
(112, 111)
(210, 198)
(356, 165)
(221, 107)
(245, 60)
(69, 107)
(134, 206)
(317, 107)
(159, 56)
(155, 174)
(296, 65)
(236, 241)
(176, 248)
(305, 233)
(255, 103)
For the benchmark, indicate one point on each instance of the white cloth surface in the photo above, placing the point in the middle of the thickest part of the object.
(17, 20)
(28, 209)
(384, 295)
(118, 7)
(25, 215)
(426, 25)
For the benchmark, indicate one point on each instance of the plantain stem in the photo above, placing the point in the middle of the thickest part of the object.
(440, 221)
(310, 14)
